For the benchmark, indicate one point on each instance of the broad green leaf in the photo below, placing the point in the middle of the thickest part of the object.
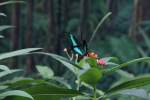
(2, 87)
(82, 63)
(115, 68)
(10, 72)
(83, 98)
(15, 93)
(108, 59)
(62, 81)
(92, 62)
(100, 92)
(10, 2)
(1, 36)
(133, 83)
(125, 74)
(4, 68)
(141, 93)
(48, 92)
(52, 90)
(91, 76)
(45, 72)
(23, 83)
(2, 14)
(4, 27)
(70, 65)
(146, 38)
(17, 53)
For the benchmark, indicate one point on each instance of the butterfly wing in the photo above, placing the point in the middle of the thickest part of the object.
(75, 45)
(74, 41)
(85, 46)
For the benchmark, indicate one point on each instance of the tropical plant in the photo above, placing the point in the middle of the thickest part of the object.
(88, 74)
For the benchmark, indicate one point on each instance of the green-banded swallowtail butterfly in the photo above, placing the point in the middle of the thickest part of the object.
(81, 48)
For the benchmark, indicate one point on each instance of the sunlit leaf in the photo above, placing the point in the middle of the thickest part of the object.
(4, 27)
(45, 72)
(4, 68)
(2, 14)
(17, 53)
(132, 83)
(115, 68)
(69, 64)
(1, 36)
(91, 76)
(48, 91)
(141, 93)
(15, 93)
(10, 2)
(23, 82)
(10, 72)
(62, 81)
(92, 62)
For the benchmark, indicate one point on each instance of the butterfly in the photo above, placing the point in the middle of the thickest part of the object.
(78, 48)
(81, 48)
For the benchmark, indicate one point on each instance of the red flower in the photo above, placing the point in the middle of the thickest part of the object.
(92, 55)
(101, 62)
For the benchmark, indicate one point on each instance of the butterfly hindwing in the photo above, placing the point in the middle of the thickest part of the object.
(76, 46)
(85, 46)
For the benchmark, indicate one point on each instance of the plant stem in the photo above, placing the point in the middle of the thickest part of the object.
(78, 81)
(94, 93)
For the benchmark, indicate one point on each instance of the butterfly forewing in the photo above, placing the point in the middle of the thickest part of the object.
(76, 46)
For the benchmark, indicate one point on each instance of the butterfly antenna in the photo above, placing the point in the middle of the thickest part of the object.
(99, 25)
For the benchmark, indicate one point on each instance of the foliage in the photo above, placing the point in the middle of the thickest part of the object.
(87, 71)
(91, 73)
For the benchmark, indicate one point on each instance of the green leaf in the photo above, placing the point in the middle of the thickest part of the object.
(141, 93)
(1, 36)
(84, 64)
(125, 74)
(49, 91)
(4, 27)
(134, 83)
(52, 90)
(4, 68)
(69, 64)
(108, 59)
(91, 76)
(3, 87)
(23, 82)
(18, 53)
(2, 14)
(41, 90)
(10, 2)
(15, 93)
(83, 98)
(100, 92)
(92, 62)
(146, 38)
(99, 25)
(62, 81)
(45, 72)
(115, 68)
(10, 72)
